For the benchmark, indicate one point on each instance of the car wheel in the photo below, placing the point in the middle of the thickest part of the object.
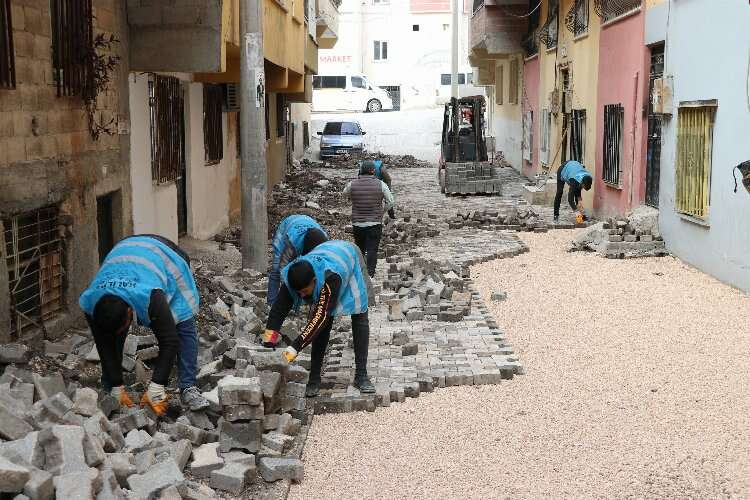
(374, 106)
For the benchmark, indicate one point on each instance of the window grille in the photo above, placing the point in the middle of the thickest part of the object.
(34, 256)
(613, 125)
(578, 135)
(7, 60)
(499, 84)
(577, 19)
(546, 130)
(513, 82)
(477, 4)
(72, 43)
(693, 168)
(166, 112)
(213, 134)
(610, 9)
(548, 32)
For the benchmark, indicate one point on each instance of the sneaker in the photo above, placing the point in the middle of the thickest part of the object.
(193, 399)
(312, 389)
(362, 382)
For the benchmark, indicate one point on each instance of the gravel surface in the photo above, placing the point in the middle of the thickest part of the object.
(636, 386)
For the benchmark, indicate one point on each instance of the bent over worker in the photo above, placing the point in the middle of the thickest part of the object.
(295, 236)
(370, 198)
(146, 278)
(381, 173)
(334, 279)
(576, 177)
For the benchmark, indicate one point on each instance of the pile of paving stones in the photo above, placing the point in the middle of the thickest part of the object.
(521, 218)
(636, 235)
(351, 161)
(472, 178)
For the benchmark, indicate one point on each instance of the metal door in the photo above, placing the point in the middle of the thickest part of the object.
(653, 150)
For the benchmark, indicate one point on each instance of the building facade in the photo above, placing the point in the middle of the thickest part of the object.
(64, 156)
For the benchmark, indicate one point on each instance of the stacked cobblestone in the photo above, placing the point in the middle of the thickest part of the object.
(472, 178)
(624, 237)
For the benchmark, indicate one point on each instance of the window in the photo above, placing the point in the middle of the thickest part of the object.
(613, 124)
(213, 134)
(7, 61)
(34, 256)
(329, 82)
(281, 118)
(469, 78)
(72, 41)
(546, 130)
(358, 82)
(513, 82)
(548, 32)
(499, 84)
(693, 166)
(381, 51)
(166, 116)
(610, 9)
(445, 79)
(341, 128)
(478, 4)
(415, 27)
(578, 135)
(577, 19)
(530, 42)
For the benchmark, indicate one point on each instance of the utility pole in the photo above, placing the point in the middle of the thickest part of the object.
(254, 178)
(454, 51)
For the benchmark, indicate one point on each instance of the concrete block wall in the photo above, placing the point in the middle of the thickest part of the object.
(47, 155)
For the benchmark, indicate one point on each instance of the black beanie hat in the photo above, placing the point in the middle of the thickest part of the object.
(300, 275)
(313, 238)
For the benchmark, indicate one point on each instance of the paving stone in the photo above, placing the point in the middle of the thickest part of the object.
(54, 409)
(277, 441)
(240, 435)
(64, 449)
(233, 477)
(40, 485)
(171, 493)
(243, 412)
(137, 441)
(161, 476)
(297, 374)
(205, 460)
(239, 456)
(110, 487)
(12, 427)
(12, 477)
(122, 465)
(48, 386)
(93, 450)
(184, 431)
(86, 402)
(133, 419)
(410, 349)
(275, 469)
(180, 452)
(289, 425)
(238, 391)
(82, 485)
(270, 422)
(14, 353)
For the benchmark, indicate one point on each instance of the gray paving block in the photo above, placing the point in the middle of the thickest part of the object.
(123, 466)
(48, 386)
(161, 476)
(240, 435)
(64, 449)
(233, 477)
(82, 485)
(12, 477)
(275, 469)
(40, 485)
(205, 460)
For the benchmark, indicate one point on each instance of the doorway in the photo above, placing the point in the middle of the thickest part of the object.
(105, 225)
(653, 148)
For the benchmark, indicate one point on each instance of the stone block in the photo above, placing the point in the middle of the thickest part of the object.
(64, 449)
(205, 460)
(48, 386)
(647, 238)
(277, 441)
(399, 338)
(240, 435)
(289, 425)
(200, 420)
(239, 456)
(184, 431)
(451, 316)
(85, 402)
(122, 465)
(133, 419)
(295, 390)
(180, 452)
(297, 374)
(243, 412)
(137, 441)
(415, 315)
(240, 391)
(40, 486)
(29, 449)
(14, 353)
(292, 403)
(82, 485)
(12, 477)
(110, 487)
(93, 450)
(52, 410)
(275, 469)
(12, 427)
(410, 349)
(270, 422)
(160, 477)
(233, 477)
(411, 390)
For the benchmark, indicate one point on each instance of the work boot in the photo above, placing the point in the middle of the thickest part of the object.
(312, 389)
(362, 382)
(193, 399)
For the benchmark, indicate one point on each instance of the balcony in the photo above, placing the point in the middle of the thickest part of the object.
(495, 30)
(327, 23)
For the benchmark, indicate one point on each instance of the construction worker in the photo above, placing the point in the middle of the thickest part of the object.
(295, 236)
(381, 173)
(334, 279)
(146, 278)
(370, 198)
(577, 178)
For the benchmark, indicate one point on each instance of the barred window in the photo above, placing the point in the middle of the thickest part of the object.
(513, 81)
(578, 135)
(166, 113)
(577, 19)
(693, 166)
(613, 125)
(7, 60)
(213, 134)
(611, 9)
(281, 115)
(34, 256)
(72, 42)
(546, 129)
(548, 32)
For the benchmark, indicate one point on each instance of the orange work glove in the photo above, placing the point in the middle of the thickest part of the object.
(121, 395)
(156, 398)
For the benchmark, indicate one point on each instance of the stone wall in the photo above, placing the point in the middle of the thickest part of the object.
(48, 156)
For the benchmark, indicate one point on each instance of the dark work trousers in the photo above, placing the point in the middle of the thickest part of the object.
(361, 334)
(368, 241)
(559, 193)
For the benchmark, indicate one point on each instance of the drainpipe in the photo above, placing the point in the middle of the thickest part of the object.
(636, 79)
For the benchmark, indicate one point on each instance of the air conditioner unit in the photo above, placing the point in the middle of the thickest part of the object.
(231, 97)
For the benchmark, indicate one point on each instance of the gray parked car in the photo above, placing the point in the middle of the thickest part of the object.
(339, 138)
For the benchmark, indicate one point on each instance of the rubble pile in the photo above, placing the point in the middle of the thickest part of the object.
(351, 161)
(636, 235)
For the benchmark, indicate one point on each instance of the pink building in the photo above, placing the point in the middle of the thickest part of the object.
(620, 174)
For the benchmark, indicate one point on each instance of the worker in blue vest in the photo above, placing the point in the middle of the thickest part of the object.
(381, 173)
(146, 278)
(333, 279)
(577, 178)
(296, 235)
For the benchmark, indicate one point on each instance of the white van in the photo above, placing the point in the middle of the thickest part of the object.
(348, 93)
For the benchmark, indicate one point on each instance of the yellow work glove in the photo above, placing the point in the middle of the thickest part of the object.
(121, 395)
(290, 354)
(156, 398)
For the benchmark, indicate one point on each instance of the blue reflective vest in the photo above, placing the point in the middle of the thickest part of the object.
(378, 169)
(133, 269)
(574, 170)
(345, 260)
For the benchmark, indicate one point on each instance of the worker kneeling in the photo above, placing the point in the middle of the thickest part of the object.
(333, 277)
(296, 235)
(149, 278)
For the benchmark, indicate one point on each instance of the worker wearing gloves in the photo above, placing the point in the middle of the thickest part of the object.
(370, 198)
(295, 236)
(332, 278)
(381, 173)
(577, 178)
(146, 278)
